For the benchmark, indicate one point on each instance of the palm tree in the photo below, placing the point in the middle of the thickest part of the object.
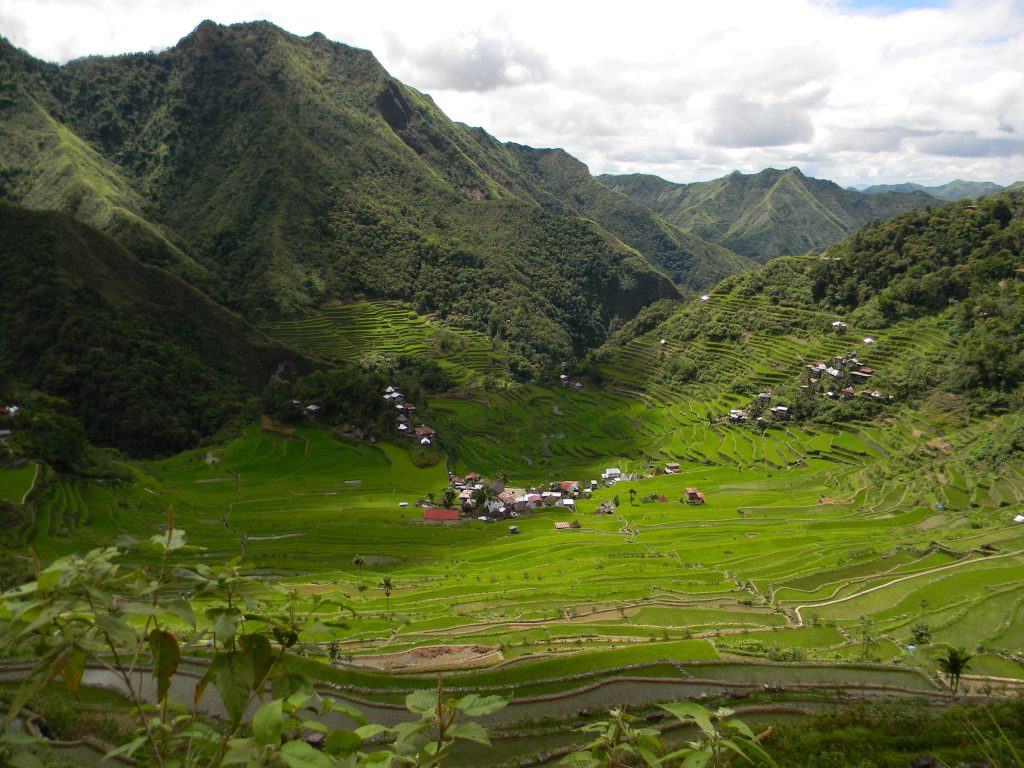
(632, 495)
(502, 477)
(385, 584)
(954, 663)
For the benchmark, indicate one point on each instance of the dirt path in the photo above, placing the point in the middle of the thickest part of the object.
(800, 619)
(31, 487)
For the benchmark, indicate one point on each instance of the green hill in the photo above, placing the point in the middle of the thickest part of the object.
(957, 189)
(148, 363)
(561, 183)
(296, 171)
(948, 273)
(767, 214)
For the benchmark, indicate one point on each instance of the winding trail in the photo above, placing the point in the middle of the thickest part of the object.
(967, 561)
(31, 487)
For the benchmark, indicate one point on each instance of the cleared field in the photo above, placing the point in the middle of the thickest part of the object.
(15, 483)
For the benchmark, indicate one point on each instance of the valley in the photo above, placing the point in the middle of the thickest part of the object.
(811, 535)
(305, 386)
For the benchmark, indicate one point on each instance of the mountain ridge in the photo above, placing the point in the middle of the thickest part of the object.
(958, 189)
(766, 214)
(295, 171)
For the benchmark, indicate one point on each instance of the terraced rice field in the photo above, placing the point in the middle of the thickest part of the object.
(15, 483)
(355, 331)
(812, 535)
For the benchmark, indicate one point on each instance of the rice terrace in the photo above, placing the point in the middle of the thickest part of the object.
(816, 559)
(337, 432)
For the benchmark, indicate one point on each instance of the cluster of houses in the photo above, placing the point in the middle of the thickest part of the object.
(492, 500)
(614, 475)
(406, 411)
(825, 378)
(776, 412)
(7, 412)
(471, 495)
(842, 378)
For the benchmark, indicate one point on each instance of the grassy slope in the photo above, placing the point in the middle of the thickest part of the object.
(767, 214)
(901, 515)
(49, 167)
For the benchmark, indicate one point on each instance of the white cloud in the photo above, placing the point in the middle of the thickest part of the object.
(686, 90)
(737, 122)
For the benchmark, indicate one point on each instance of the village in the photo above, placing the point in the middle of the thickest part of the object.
(472, 496)
(843, 378)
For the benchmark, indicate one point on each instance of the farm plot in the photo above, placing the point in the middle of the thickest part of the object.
(809, 531)
(16, 483)
(355, 331)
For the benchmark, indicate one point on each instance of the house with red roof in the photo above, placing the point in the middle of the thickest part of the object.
(441, 514)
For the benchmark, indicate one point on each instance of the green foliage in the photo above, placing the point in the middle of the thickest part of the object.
(954, 663)
(561, 183)
(868, 735)
(619, 742)
(374, 191)
(97, 609)
(921, 633)
(146, 363)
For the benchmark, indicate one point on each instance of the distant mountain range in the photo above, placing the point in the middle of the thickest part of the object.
(767, 214)
(249, 175)
(957, 189)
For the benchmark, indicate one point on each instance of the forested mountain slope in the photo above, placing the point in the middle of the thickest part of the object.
(952, 272)
(147, 363)
(279, 172)
(561, 183)
(767, 214)
(958, 189)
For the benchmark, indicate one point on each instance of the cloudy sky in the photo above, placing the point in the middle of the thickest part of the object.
(857, 91)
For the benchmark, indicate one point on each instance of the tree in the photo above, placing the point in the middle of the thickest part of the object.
(385, 584)
(502, 477)
(921, 633)
(632, 496)
(868, 639)
(615, 500)
(954, 664)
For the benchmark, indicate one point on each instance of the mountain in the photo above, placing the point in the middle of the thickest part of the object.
(147, 363)
(562, 184)
(937, 290)
(767, 214)
(277, 173)
(957, 189)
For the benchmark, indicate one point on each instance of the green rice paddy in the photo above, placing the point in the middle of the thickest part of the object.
(15, 483)
(810, 532)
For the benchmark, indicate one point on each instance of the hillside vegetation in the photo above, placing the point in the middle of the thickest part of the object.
(277, 172)
(767, 214)
(148, 363)
(844, 544)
